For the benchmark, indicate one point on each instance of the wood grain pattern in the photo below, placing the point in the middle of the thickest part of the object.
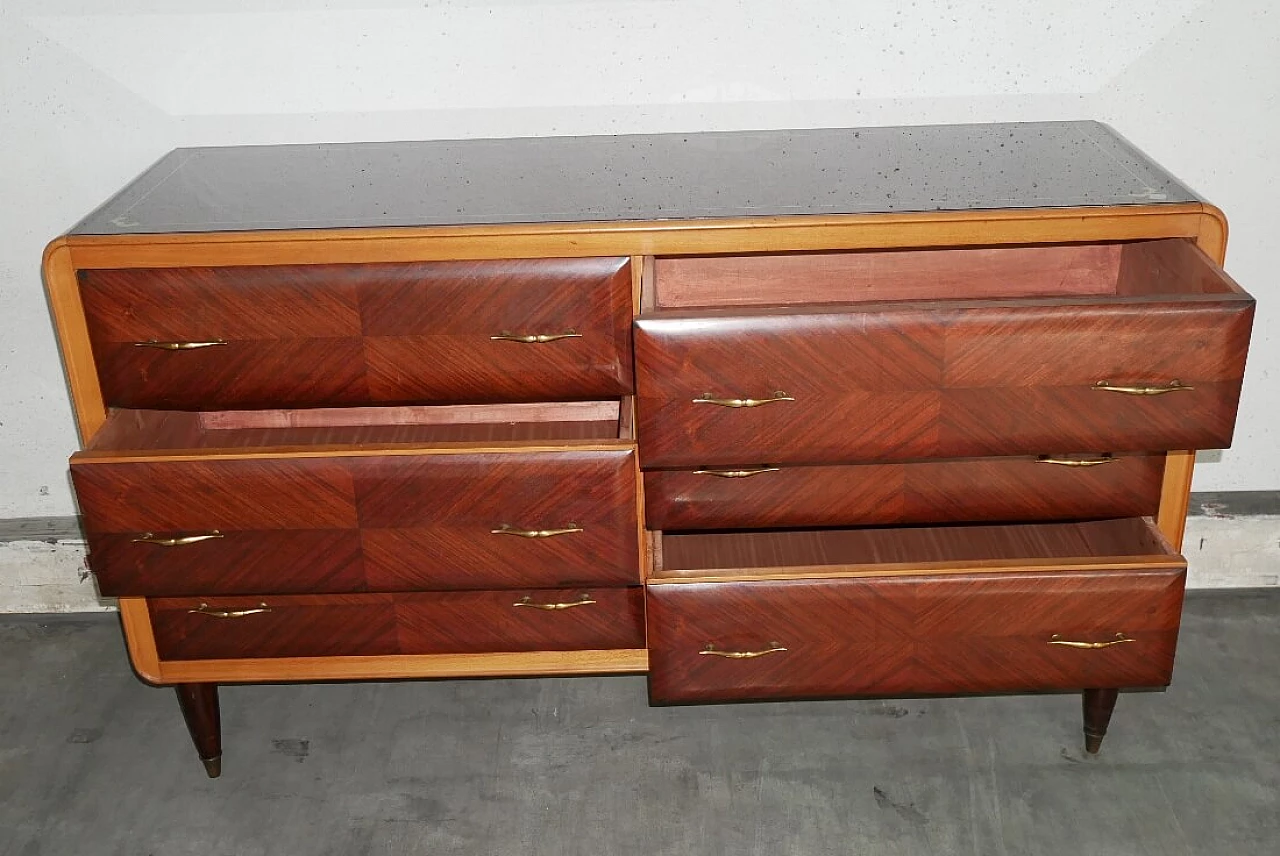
(808, 278)
(975, 489)
(1129, 542)
(361, 523)
(903, 635)
(312, 335)
(892, 381)
(386, 624)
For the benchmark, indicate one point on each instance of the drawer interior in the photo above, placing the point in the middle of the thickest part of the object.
(1172, 267)
(710, 556)
(170, 430)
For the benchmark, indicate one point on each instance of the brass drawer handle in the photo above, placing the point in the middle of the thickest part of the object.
(735, 474)
(507, 529)
(1056, 639)
(707, 398)
(150, 538)
(179, 346)
(1077, 462)
(205, 609)
(583, 600)
(1156, 389)
(712, 650)
(534, 339)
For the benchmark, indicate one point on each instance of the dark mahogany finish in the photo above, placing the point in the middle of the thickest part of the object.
(317, 335)
(199, 703)
(957, 380)
(1098, 705)
(372, 624)
(959, 633)
(921, 492)
(360, 523)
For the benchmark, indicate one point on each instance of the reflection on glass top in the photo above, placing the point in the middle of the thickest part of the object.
(637, 177)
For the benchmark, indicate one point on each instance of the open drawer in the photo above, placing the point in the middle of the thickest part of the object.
(361, 499)
(876, 612)
(816, 358)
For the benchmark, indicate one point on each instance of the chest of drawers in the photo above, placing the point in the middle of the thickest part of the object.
(769, 415)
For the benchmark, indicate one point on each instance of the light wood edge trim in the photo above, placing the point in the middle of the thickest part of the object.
(664, 237)
(390, 667)
(111, 456)
(642, 539)
(1175, 486)
(1175, 496)
(648, 287)
(827, 572)
(63, 290)
(637, 277)
(140, 639)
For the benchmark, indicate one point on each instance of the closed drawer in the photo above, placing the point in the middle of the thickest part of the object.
(323, 335)
(339, 515)
(1065, 487)
(381, 624)
(923, 611)
(1154, 364)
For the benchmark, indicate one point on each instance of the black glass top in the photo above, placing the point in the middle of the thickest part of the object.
(637, 177)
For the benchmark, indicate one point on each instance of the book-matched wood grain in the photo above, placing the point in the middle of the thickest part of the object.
(361, 522)
(391, 624)
(975, 489)
(964, 379)
(913, 635)
(316, 335)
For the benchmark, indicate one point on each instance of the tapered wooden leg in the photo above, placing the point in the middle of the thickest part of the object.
(199, 703)
(1098, 705)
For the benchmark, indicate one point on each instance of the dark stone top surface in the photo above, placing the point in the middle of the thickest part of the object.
(637, 178)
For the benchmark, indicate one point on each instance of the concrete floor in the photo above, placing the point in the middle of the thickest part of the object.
(94, 762)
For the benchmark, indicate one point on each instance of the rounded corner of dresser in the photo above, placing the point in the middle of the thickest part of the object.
(1214, 231)
(140, 641)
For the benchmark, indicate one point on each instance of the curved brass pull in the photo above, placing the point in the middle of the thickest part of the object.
(583, 600)
(534, 339)
(1172, 386)
(735, 474)
(149, 538)
(1077, 462)
(1056, 639)
(712, 650)
(707, 398)
(205, 609)
(507, 529)
(179, 346)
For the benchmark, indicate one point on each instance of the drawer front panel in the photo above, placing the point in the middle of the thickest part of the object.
(885, 494)
(944, 381)
(912, 635)
(429, 330)
(361, 523)
(380, 624)
(323, 335)
(290, 336)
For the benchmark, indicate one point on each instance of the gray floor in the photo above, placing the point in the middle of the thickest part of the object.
(92, 761)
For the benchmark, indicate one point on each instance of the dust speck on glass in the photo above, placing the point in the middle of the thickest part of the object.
(637, 177)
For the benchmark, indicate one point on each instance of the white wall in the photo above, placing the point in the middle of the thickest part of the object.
(90, 97)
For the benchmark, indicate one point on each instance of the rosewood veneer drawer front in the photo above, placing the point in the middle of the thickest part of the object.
(317, 335)
(904, 611)
(382, 624)
(350, 523)
(1156, 364)
(210, 526)
(1061, 487)
(499, 520)
(914, 634)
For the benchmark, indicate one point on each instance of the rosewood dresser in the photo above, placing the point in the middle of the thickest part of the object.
(766, 415)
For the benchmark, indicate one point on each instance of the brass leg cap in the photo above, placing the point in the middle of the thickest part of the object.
(1093, 743)
(212, 766)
